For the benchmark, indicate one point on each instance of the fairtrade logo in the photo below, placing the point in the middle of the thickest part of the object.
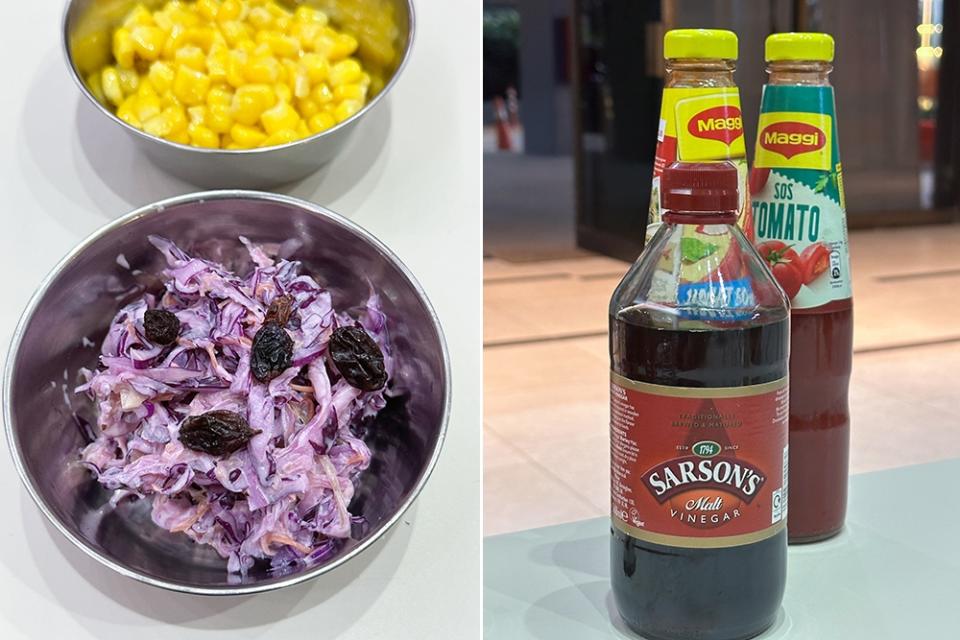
(792, 138)
(723, 124)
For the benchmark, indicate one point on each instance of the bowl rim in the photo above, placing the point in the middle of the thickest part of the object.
(346, 124)
(157, 209)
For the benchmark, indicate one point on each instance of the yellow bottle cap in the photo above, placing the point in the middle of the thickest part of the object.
(799, 46)
(700, 43)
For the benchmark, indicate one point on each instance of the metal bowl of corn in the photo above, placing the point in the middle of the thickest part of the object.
(237, 93)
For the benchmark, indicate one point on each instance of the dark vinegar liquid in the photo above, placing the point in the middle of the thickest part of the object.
(820, 363)
(685, 593)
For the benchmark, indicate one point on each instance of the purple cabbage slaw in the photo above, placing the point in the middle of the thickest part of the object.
(283, 497)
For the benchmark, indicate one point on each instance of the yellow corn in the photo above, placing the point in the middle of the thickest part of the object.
(229, 10)
(235, 74)
(246, 137)
(262, 70)
(123, 48)
(250, 101)
(96, 86)
(280, 116)
(208, 9)
(166, 123)
(129, 80)
(191, 86)
(345, 72)
(148, 41)
(110, 81)
(127, 111)
(321, 122)
(191, 56)
(200, 136)
(161, 76)
(346, 109)
(283, 136)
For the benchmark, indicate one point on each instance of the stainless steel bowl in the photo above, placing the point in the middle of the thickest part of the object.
(252, 168)
(79, 298)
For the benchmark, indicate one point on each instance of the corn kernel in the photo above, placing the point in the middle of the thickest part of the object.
(166, 123)
(309, 14)
(234, 32)
(317, 67)
(346, 109)
(246, 137)
(307, 107)
(343, 45)
(283, 136)
(250, 101)
(262, 70)
(197, 115)
(280, 45)
(321, 122)
(96, 86)
(191, 86)
(281, 116)
(345, 72)
(147, 106)
(148, 41)
(276, 10)
(235, 64)
(349, 92)
(129, 80)
(260, 18)
(191, 56)
(208, 9)
(283, 23)
(303, 130)
(203, 37)
(218, 62)
(110, 80)
(140, 15)
(180, 137)
(123, 48)
(161, 76)
(219, 95)
(261, 50)
(229, 10)
(219, 118)
(322, 94)
(127, 112)
(200, 136)
(145, 88)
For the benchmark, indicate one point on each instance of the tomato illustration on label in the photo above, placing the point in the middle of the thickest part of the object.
(815, 260)
(723, 123)
(785, 264)
(758, 179)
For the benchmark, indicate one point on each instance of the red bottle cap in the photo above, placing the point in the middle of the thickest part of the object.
(702, 187)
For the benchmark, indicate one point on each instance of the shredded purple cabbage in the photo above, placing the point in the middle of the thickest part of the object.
(283, 497)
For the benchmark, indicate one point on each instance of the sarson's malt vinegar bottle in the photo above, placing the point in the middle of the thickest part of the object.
(801, 230)
(700, 116)
(699, 346)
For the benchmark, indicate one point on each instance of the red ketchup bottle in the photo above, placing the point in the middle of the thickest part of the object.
(699, 347)
(800, 226)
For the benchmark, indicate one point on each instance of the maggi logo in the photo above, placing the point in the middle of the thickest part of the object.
(723, 124)
(792, 138)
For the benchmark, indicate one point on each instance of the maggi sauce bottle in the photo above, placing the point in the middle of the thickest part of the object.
(700, 116)
(699, 347)
(801, 230)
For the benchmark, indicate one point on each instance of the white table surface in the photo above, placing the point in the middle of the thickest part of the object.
(411, 175)
(891, 574)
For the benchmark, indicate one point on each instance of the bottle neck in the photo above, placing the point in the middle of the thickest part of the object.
(811, 73)
(700, 72)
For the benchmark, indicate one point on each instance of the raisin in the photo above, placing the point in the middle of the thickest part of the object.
(272, 352)
(216, 432)
(280, 310)
(161, 326)
(358, 358)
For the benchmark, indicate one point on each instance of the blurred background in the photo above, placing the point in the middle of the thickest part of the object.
(571, 106)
